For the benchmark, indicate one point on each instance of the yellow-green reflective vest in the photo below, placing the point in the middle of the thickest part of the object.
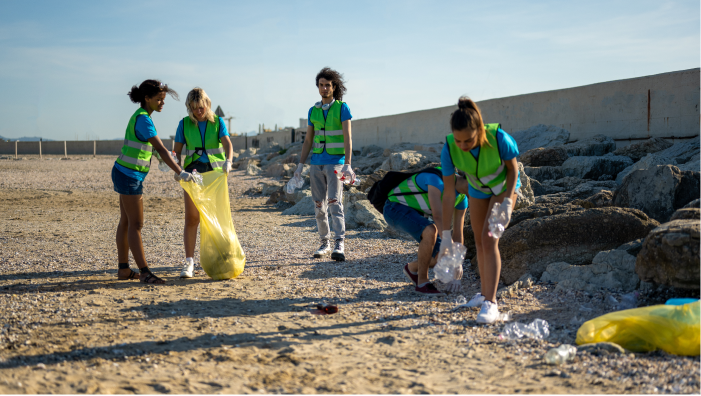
(487, 173)
(414, 197)
(136, 154)
(328, 130)
(212, 144)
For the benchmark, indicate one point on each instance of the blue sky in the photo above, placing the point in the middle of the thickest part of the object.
(65, 67)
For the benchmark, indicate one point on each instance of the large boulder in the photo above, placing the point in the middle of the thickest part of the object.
(270, 187)
(686, 214)
(371, 151)
(658, 191)
(540, 136)
(595, 146)
(305, 207)
(670, 255)
(524, 195)
(575, 236)
(595, 167)
(545, 156)
(410, 159)
(647, 162)
(636, 151)
(611, 269)
(252, 169)
(363, 214)
(583, 190)
(558, 185)
(369, 180)
(542, 173)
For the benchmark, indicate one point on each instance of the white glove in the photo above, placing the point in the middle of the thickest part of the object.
(227, 166)
(348, 173)
(507, 207)
(446, 240)
(298, 171)
(185, 176)
(453, 286)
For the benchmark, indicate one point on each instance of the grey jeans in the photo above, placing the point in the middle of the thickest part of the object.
(327, 193)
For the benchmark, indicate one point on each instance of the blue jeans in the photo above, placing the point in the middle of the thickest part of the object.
(410, 221)
(126, 185)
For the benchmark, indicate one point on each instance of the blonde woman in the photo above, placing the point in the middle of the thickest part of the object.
(207, 148)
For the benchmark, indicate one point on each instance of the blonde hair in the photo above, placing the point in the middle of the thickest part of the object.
(198, 97)
(469, 117)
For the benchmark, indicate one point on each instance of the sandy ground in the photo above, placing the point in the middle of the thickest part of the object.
(68, 326)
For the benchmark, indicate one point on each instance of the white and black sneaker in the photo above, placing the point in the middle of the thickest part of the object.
(324, 249)
(338, 254)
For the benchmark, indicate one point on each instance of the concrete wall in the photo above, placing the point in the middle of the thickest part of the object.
(662, 105)
(72, 147)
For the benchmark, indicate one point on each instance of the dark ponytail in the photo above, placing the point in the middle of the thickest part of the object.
(468, 118)
(149, 89)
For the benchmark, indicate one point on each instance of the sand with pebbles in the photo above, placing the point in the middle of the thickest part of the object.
(68, 326)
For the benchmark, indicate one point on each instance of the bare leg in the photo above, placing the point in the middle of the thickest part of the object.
(478, 215)
(122, 241)
(134, 208)
(192, 220)
(428, 241)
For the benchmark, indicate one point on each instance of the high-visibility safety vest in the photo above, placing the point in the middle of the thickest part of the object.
(414, 197)
(328, 130)
(212, 144)
(487, 173)
(136, 154)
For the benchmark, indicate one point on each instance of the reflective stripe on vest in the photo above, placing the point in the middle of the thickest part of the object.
(212, 144)
(136, 154)
(487, 173)
(414, 197)
(328, 130)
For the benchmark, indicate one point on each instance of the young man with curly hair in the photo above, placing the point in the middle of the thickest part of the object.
(329, 139)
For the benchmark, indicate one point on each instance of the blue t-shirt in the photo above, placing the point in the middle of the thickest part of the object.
(325, 158)
(507, 150)
(144, 130)
(202, 125)
(423, 180)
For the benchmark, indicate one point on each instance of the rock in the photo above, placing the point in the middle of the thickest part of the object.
(599, 200)
(371, 151)
(687, 214)
(574, 235)
(305, 207)
(387, 153)
(601, 348)
(693, 165)
(649, 161)
(404, 160)
(683, 152)
(694, 204)
(369, 180)
(364, 214)
(271, 187)
(636, 151)
(253, 191)
(658, 191)
(297, 196)
(252, 169)
(275, 170)
(249, 152)
(272, 155)
(540, 136)
(670, 255)
(595, 167)
(291, 159)
(632, 247)
(524, 195)
(542, 173)
(579, 192)
(537, 187)
(275, 197)
(612, 269)
(385, 166)
(545, 156)
(597, 145)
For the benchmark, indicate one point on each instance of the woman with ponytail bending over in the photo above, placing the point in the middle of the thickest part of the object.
(487, 155)
(129, 172)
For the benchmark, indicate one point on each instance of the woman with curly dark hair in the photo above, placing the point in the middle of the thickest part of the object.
(129, 172)
(329, 139)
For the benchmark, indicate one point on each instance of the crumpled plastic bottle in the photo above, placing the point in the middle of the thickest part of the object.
(197, 178)
(293, 184)
(448, 264)
(538, 329)
(497, 221)
(560, 355)
(162, 166)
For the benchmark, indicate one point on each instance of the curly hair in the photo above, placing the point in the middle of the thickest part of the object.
(198, 97)
(149, 89)
(336, 78)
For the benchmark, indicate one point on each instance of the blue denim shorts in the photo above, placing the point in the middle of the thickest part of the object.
(126, 185)
(410, 221)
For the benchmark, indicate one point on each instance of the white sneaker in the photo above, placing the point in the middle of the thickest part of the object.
(476, 301)
(188, 268)
(324, 249)
(489, 313)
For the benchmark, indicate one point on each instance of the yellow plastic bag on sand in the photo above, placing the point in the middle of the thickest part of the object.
(221, 254)
(672, 328)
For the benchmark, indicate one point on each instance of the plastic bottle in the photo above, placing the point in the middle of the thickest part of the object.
(197, 178)
(448, 264)
(162, 166)
(560, 355)
(497, 222)
(293, 184)
(342, 178)
(537, 330)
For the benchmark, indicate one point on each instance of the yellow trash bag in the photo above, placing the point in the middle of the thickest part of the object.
(672, 328)
(221, 254)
